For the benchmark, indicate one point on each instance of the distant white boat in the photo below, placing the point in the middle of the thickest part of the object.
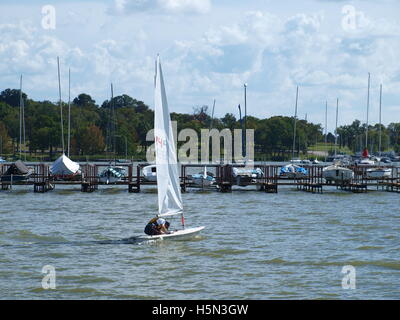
(2, 160)
(337, 173)
(150, 173)
(379, 173)
(366, 162)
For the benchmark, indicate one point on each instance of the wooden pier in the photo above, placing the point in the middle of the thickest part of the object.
(225, 181)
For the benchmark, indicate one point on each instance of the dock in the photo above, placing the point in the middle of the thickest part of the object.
(225, 181)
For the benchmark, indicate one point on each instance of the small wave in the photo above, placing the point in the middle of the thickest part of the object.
(30, 237)
(85, 279)
(369, 248)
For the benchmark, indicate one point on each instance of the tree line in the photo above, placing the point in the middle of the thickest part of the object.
(120, 125)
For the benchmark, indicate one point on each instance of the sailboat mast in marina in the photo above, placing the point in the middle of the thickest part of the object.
(366, 128)
(21, 121)
(326, 128)
(69, 112)
(380, 120)
(336, 135)
(294, 126)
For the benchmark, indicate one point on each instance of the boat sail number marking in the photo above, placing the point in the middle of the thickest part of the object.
(160, 141)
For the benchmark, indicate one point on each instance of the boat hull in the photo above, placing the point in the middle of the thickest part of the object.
(379, 173)
(202, 182)
(175, 235)
(109, 180)
(337, 174)
(150, 173)
(15, 178)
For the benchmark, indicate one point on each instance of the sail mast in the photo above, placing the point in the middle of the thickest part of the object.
(244, 153)
(69, 111)
(337, 111)
(212, 115)
(326, 126)
(380, 120)
(112, 137)
(366, 129)
(60, 103)
(295, 118)
(20, 117)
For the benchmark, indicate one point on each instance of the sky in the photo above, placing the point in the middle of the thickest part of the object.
(209, 49)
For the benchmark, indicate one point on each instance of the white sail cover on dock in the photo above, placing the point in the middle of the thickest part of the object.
(169, 191)
(64, 166)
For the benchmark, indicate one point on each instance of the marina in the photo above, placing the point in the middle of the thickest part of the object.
(224, 180)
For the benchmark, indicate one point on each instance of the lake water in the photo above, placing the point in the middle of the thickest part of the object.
(290, 245)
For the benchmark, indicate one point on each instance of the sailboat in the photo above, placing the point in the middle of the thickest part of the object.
(292, 170)
(205, 178)
(64, 168)
(18, 171)
(379, 172)
(168, 184)
(112, 173)
(365, 156)
(336, 172)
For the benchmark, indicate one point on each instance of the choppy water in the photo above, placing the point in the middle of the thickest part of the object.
(290, 245)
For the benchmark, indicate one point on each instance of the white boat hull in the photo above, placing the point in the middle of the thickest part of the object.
(379, 173)
(175, 235)
(337, 174)
(150, 173)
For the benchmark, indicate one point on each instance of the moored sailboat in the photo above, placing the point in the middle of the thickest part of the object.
(64, 168)
(203, 179)
(337, 173)
(379, 172)
(112, 173)
(17, 171)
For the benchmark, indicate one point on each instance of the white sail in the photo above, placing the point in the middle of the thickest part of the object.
(169, 192)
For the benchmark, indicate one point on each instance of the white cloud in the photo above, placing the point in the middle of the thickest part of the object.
(166, 6)
(204, 58)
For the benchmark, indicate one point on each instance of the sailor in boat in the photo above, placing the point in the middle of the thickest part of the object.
(157, 226)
